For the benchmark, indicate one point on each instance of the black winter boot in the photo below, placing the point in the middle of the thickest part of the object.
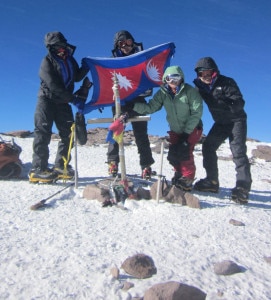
(182, 182)
(239, 195)
(207, 185)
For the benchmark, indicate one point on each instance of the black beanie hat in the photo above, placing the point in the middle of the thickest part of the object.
(206, 63)
(122, 35)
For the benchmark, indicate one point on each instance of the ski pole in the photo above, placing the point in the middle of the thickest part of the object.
(41, 203)
(160, 173)
(75, 159)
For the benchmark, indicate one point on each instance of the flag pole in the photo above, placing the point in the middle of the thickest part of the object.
(118, 113)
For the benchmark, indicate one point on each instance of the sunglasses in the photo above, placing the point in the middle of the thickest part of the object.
(207, 74)
(173, 78)
(125, 43)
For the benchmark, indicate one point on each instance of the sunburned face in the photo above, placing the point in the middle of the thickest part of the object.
(207, 76)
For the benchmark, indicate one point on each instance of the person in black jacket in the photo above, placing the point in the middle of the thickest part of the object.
(226, 105)
(124, 45)
(58, 72)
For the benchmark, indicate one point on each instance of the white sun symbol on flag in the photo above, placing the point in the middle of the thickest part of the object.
(153, 72)
(123, 81)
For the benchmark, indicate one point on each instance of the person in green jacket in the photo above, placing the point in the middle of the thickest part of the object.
(183, 105)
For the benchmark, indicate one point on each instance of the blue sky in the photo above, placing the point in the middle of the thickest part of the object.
(235, 33)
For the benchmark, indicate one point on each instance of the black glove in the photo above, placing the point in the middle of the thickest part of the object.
(183, 138)
(183, 151)
(80, 127)
(84, 64)
(183, 147)
(82, 93)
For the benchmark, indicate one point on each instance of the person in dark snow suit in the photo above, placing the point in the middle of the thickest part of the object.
(226, 105)
(183, 105)
(125, 45)
(58, 73)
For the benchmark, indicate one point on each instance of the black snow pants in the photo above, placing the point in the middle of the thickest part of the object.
(48, 112)
(237, 133)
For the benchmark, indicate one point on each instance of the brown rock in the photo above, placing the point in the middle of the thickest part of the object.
(268, 259)
(93, 192)
(192, 201)
(262, 152)
(226, 267)
(127, 285)
(139, 266)
(174, 291)
(142, 193)
(114, 271)
(236, 223)
(19, 133)
(176, 195)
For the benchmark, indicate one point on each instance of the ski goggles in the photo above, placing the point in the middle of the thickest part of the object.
(173, 78)
(207, 74)
(124, 43)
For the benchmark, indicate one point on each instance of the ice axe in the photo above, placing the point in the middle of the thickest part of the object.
(42, 203)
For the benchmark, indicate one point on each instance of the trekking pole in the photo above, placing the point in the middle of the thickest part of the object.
(41, 203)
(75, 159)
(160, 173)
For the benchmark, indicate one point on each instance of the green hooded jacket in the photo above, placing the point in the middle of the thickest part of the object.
(184, 109)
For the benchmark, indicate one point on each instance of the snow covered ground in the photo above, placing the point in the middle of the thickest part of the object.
(66, 251)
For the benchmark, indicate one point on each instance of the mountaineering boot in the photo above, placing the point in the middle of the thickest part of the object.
(113, 168)
(207, 185)
(44, 176)
(239, 195)
(182, 182)
(146, 173)
(177, 176)
(66, 174)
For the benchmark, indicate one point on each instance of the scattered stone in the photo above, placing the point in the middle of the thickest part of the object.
(220, 293)
(127, 285)
(140, 266)
(164, 189)
(262, 152)
(173, 194)
(236, 223)
(227, 267)
(192, 201)
(115, 272)
(101, 190)
(94, 192)
(19, 133)
(227, 158)
(142, 193)
(267, 259)
(173, 290)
